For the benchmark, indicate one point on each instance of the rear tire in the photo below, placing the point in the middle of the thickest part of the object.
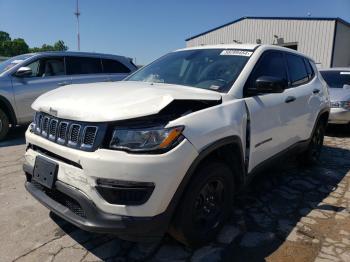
(205, 206)
(4, 125)
(312, 155)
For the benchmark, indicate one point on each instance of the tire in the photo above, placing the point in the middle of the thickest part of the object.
(312, 155)
(4, 125)
(205, 206)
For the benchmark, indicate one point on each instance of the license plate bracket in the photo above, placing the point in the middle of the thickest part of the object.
(45, 172)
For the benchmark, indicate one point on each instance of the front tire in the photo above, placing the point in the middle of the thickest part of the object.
(205, 207)
(312, 155)
(4, 125)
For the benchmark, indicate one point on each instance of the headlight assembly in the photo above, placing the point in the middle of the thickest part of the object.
(146, 139)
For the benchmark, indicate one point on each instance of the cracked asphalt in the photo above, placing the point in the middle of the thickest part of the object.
(288, 213)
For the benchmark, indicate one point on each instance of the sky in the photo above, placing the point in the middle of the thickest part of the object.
(142, 29)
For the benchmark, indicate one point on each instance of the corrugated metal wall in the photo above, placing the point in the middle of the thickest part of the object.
(313, 37)
(341, 56)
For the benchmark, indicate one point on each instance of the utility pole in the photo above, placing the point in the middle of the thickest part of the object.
(77, 14)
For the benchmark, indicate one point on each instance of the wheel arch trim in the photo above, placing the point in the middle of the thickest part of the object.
(231, 140)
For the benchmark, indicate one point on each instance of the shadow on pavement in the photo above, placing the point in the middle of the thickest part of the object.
(266, 213)
(15, 136)
(338, 131)
(275, 202)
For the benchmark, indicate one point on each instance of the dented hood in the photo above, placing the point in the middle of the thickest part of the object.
(111, 101)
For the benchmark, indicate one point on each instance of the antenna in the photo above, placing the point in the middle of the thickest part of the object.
(77, 14)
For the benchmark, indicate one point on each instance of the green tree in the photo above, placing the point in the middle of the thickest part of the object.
(4, 36)
(60, 46)
(13, 47)
(18, 47)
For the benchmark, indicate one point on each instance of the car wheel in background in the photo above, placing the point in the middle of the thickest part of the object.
(4, 125)
(206, 205)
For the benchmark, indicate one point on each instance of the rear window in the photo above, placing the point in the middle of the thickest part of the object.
(83, 65)
(297, 70)
(336, 79)
(114, 66)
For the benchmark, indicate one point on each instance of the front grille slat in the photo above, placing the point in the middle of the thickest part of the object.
(74, 134)
(62, 132)
(68, 133)
(89, 136)
(53, 129)
(45, 126)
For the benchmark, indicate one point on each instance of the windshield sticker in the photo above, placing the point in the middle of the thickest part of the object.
(236, 52)
(345, 73)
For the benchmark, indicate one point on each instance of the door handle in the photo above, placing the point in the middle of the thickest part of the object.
(63, 83)
(290, 99)
(316, 91)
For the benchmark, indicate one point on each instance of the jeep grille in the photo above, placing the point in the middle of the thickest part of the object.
(79, 135)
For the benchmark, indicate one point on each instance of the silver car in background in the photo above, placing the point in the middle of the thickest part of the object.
(25, 77)
(338, 80)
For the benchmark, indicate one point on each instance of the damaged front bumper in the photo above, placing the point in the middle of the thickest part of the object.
(75, 207)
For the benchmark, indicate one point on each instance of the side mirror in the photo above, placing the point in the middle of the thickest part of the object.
(270, 84)
(23, 72)
(346, 86)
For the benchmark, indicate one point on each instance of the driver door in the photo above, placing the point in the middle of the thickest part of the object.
(47, 74)
(270, 114)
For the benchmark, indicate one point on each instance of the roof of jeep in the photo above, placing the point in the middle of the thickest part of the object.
(223, 46)
(248, 47)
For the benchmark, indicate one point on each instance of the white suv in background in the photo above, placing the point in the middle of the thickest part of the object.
(166, 149)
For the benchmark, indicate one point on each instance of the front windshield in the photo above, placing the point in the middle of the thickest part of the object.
(9, 63)
(336, 79)
(214, 69)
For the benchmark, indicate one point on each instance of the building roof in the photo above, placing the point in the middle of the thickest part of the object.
(337, 19)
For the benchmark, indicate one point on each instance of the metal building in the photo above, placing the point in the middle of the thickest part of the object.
(326, 40)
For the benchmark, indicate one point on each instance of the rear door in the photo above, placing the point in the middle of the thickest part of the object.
(115, 69)
(48, 73)
(270, 114)
(308, 93)
(85, 69)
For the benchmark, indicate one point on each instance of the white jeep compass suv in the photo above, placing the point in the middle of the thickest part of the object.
(166, 149)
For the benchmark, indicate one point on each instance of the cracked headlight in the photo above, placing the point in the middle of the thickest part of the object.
(146, 139)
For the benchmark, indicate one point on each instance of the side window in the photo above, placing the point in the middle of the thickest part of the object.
(53, 67)
(114, 66)
(44, 67)
(309, 69)
(83, 65)
(270, 64)
(35, 68)
(297, 70)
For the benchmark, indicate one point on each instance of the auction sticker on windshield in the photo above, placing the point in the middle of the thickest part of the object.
(236, 52)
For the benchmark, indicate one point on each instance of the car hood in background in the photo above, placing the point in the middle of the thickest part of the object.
(101, 102)
(339, 94)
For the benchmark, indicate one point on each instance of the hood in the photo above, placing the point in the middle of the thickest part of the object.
(339, 94)
(112, 101)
